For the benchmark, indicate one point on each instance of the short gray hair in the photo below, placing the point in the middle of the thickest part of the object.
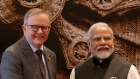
(96, 25)
(34, 11)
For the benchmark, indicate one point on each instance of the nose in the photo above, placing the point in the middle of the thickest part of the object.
(102, 42)
(40, 30)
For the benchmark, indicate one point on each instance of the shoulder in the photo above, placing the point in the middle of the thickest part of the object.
(48, 50)
(11, 54)
(15, 48)
(81, 64)
(122, 61)
(133, 73)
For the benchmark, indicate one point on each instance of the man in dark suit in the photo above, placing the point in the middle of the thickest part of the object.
(22, 59)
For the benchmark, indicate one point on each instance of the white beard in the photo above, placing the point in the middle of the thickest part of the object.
(103, 54)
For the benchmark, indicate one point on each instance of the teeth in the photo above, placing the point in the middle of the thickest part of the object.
(103, 49)
(39, 36)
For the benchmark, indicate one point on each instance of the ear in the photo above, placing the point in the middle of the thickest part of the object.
(24, 28)
(88, 43)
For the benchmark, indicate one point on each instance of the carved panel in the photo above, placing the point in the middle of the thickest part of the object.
(105, 7)
(105, 4)
(73, 40)
(73, 36)
(13, 10)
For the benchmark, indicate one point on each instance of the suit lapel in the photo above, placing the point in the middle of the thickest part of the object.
(48, 63)
(31, 57)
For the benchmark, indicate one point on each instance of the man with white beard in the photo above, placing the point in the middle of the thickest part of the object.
(104, 64)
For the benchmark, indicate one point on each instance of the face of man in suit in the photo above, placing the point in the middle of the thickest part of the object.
(36, 29)
(101, 43)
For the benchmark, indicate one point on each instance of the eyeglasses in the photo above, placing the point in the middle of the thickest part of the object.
(35, 28)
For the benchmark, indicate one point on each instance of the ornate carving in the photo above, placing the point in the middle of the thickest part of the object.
(73, 40)
(128, 29)
(73, 37)
(78, 51)
(33, 3)
(13, 10)
(105, 4)
(105, 7)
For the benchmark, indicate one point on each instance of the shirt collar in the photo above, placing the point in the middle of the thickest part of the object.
(33, 48)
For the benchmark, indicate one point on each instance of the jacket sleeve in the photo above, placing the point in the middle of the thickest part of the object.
(11, 67)
(133, 73)
(72, 75)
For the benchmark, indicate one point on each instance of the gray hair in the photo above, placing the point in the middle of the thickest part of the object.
(97, 25)
(33, 11)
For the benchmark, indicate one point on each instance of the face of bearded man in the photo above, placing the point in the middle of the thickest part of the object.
(104, 53)
(101, 43)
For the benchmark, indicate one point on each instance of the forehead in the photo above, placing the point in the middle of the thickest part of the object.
(38, 19)
(101, 31)
(39, 15)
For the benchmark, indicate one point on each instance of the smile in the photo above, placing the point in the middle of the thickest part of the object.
(103, 49)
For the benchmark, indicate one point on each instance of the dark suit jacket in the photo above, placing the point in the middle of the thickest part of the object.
(20, 62)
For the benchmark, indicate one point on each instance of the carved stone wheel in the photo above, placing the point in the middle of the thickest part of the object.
(105, 4)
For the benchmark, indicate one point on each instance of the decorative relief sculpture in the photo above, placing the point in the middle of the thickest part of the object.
(73, 40)
(105, 7)
(13, 10)
(73, 36)
(105, 4)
